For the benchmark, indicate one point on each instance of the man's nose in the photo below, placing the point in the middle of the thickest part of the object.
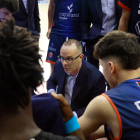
(64, 62)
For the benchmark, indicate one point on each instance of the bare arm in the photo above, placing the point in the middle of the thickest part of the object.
(97, 134)
(124, 20)
(98, 112)
(51, 9)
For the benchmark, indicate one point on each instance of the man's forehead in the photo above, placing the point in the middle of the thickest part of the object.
(69, 48)
(68, 53)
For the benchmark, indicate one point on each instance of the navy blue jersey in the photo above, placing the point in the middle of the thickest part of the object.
(134, 7)
(125, 99)
(67, 18)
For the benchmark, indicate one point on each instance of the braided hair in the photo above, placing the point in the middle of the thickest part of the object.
(19, 65)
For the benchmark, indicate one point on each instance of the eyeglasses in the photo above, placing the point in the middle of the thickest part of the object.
(68, 60)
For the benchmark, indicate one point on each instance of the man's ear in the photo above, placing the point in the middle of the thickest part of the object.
(81, 56)
(112, 66)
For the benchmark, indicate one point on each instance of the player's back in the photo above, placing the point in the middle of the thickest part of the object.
(126, 98)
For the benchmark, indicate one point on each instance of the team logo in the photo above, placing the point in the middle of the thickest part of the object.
(50, 54)
(70, 14)
(137, 27)
(51, 47)
(70, 8)
(137, 104)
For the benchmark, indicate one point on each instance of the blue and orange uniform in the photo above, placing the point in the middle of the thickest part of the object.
(66, 26)
(134, 7)
(125, 100)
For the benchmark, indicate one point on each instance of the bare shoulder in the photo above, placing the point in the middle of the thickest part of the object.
(98, 112)
(101, 105)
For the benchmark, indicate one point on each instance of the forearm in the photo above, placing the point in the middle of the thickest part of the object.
(78, 133)
(97, 134)
(50, 14)
(72, 126)
(123, 25)
(124, 20)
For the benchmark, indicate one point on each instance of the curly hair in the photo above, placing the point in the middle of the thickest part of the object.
(122, 45)
(19, 65)
(11, 5)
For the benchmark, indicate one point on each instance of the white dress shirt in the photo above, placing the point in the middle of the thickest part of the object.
(70, 82)
(109, 21)
(25, 4)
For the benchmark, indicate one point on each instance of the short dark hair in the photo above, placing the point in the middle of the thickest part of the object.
(19, 65)
(122, 45)
(77, 43)
(11, 5)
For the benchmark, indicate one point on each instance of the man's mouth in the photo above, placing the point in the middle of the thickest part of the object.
(65, 68)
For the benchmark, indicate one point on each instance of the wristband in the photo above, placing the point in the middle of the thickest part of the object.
(72, 125)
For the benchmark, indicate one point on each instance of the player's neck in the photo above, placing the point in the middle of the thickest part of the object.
(18, 127)
(125, 75)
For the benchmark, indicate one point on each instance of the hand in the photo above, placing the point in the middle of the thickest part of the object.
(64, 106)
(48, 33)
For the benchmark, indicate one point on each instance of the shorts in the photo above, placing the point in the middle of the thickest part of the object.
(55, 45)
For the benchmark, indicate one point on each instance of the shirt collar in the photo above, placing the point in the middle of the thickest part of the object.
(68, 74)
